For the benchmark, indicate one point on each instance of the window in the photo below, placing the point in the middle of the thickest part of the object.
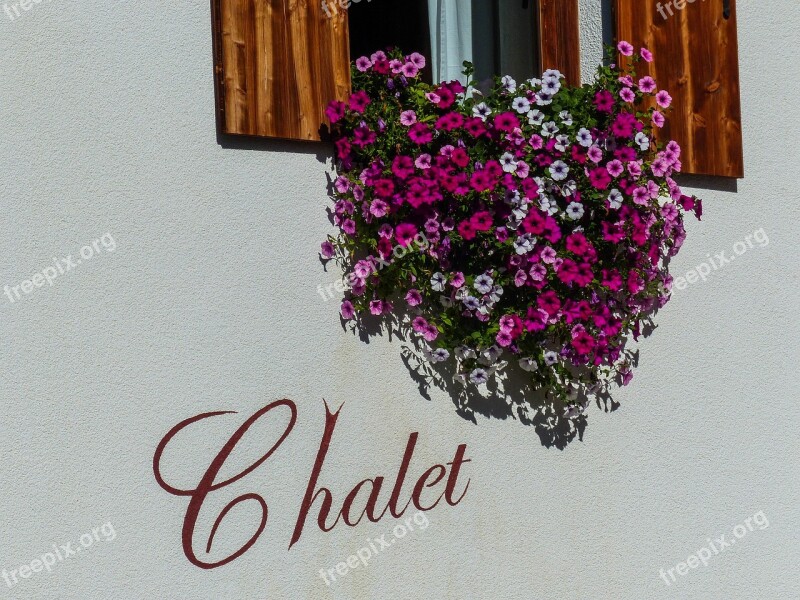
(279, 62)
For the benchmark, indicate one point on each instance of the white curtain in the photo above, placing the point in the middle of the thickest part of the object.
(451, 37)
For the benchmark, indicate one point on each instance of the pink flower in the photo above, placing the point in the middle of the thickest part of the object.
(627, 95)
(664, 99)
(625, 48)
(647, 84)
(414, 298)
(409, 70)
(419, 324)
(347, 311)
(417, 60)
(615, 168)
(378, 208)
(646, 55)
(363, 64)
(504, 339)
(658, 119)
(430, 333)
(376, 307)
(423, 161)
(408, 118)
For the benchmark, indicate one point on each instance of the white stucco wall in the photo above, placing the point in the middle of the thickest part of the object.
(209, 302)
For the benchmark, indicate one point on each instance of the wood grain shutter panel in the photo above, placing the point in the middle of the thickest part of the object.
(559, 41)
(277, 65)
(696, 60)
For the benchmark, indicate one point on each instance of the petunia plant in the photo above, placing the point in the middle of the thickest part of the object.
(527, 226)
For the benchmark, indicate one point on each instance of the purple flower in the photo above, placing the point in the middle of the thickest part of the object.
(347, 311)
(327, 250)
(414, 298)
(408, 118)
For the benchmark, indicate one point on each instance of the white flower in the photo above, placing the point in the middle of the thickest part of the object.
(549, 129)
(550, 358)
(521, 105)
(575, 210)
(524, 243)
(548, 204)
(615, 199)
(533, 82)
(528, 364)
(471, 303)
(483, 283)
(643, 141)
(559, 170)
(509, 162)
(544, 98)
(490, 355)
(440, 355)
(535, 117)
(437, 282)
(465, 353)
(551, 86)
(446, 301)
(478, 376)
(481, 110)
(565, 117)
(585, 137)
(552, 75)
(509, 84)
(561, 143)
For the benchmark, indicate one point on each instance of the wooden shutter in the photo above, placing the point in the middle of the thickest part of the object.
(696, 60)
(559, 41)
(277, 64)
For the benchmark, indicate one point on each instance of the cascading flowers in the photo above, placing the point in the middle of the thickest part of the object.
(530, 225)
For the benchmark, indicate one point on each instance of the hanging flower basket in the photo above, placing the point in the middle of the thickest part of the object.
(526, 228)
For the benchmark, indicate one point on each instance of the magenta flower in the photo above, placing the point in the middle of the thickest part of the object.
(604, 101)
(420, 134)
(359, 101)
(405, 233)
(335, 111)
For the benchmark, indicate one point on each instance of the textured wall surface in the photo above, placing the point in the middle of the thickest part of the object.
(209, 302)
